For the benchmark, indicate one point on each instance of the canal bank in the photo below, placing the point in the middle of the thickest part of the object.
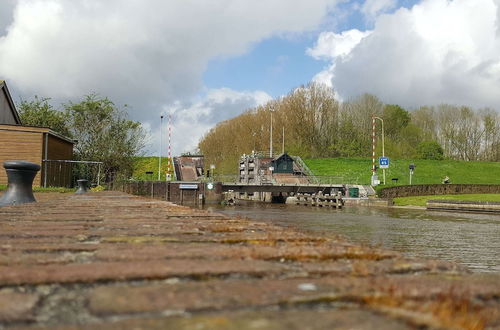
(112, 261)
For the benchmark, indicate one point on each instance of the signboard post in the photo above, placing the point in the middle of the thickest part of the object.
(384, 163)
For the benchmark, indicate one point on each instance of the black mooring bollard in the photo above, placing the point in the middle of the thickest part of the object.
(20, 176)
(83, 186)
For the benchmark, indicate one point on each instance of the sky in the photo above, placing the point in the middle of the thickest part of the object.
(203, 62)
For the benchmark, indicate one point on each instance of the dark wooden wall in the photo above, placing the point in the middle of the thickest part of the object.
(59, 174)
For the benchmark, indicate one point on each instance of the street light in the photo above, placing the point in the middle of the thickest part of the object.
(159, 158)
(383, 143)
(271, 109)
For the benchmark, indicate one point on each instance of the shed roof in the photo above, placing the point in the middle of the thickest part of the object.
(3, 87)
(35, 129)
(283, 155)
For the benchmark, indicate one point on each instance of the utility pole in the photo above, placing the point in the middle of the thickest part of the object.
(283, 145)
(159, 153)
(271, 134)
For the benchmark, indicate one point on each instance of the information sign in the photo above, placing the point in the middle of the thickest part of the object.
(383, 162)
(188, 186)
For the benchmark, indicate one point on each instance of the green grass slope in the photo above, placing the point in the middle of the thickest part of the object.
(149, 164)
(358, 170)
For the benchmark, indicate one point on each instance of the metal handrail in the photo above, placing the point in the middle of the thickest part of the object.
(305, 169)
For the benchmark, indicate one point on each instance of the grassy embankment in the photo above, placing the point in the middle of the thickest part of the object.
(149, 164)
(357, 170)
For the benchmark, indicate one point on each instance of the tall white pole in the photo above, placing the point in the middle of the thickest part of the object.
(283, 145)
(271, 136)
(159, 156)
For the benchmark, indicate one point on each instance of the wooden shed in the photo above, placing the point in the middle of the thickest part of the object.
(34, 144)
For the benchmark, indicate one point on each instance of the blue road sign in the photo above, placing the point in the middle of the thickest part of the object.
(383, 162)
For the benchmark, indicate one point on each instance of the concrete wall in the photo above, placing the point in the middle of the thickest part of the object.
(438, 189)
(172, 192)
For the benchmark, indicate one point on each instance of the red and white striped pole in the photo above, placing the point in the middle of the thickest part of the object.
(373, 145)
(169, 167)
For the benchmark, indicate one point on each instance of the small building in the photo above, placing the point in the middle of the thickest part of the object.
(283, 164)
(254, 169)
(189, 167)
(38, 145)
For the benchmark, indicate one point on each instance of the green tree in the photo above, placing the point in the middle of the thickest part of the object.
(105, 134)
(39, 112)
(430, 150)
(395, 120)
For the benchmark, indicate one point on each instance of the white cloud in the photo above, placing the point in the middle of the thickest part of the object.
(331, 45)
(192, 121)
(147, 54)
(438, 51)
(373, 8)
(6, 10)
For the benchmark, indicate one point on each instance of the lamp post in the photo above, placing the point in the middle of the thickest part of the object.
(271, 134)
(159, 158)
(383, 142)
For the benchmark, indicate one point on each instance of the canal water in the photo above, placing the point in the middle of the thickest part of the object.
(470, 239)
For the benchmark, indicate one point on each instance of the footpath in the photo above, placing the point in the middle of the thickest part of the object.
(110, 260)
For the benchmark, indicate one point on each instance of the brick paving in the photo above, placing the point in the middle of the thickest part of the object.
(114, 261)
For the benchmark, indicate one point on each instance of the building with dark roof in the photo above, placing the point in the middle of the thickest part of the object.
(8, 113)
(34, 144)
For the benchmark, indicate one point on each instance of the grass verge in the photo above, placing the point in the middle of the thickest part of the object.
(421, 200)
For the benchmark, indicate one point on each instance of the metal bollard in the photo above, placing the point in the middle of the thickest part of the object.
(20, 176)
(83, 186)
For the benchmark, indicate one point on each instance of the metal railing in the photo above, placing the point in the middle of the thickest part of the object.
(316, 179)
(305, 169)
(64, 173)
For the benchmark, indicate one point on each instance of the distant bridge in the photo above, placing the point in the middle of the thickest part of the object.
(284, 188)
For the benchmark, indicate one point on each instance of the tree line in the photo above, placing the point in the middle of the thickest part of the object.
(100, 129)
(316, 125)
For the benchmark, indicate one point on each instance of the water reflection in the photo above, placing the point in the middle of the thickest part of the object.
(470, 239)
